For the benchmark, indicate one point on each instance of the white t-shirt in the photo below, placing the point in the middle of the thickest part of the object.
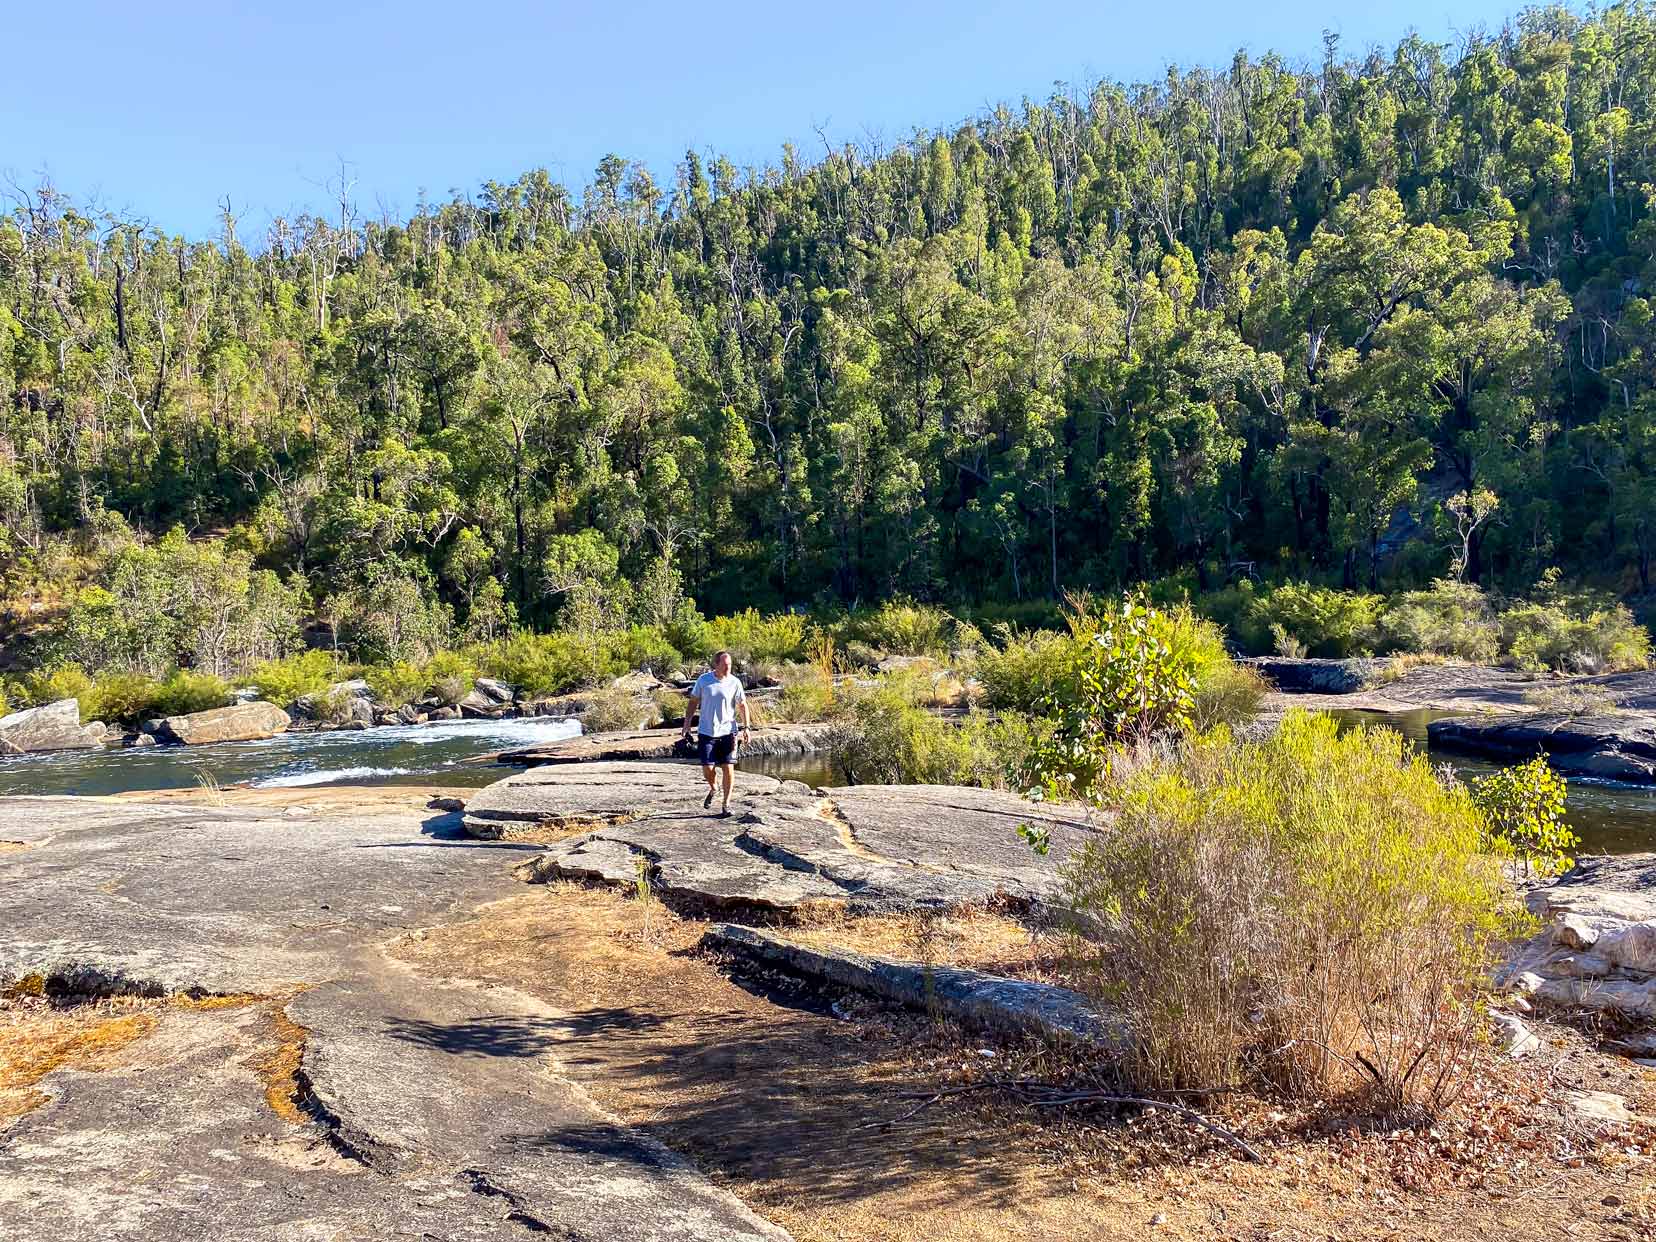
(719, 696)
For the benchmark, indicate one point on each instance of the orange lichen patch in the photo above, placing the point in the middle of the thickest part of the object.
(227, 1000)
(28, 985)
(7, 847)
(36, 1039)
(277, 1065)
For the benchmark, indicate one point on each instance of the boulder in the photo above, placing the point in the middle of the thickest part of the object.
(1311, 676)
(495, 691)
(1618, 746)
(56, 726)
(1575, 932)
(444, 713)
(243, 722)
(136, 741)
(479, 706)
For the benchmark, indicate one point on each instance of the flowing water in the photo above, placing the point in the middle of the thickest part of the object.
(429, 754)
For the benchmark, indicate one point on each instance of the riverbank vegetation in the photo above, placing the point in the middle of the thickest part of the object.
(1368, 323)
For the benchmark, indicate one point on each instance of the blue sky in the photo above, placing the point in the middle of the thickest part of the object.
(164, 109)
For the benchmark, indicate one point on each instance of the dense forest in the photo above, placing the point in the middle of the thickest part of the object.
(1374, 321)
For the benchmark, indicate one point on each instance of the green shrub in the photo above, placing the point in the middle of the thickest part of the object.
(121, 698)
(1127, 675)
(614, 709)
(644, 647)
(901, 627)
(1314, 909)
(541, 664)
(1452, 619)
(1575, 634)
(1572, 699)
(450, 675)
(1227, 694)
(187, 691)
(59, 681)
(1523, 806)
(750, 636)
(397, 683)
(1328, 622)
(1020, 671)
(284, 682)
(883, 736)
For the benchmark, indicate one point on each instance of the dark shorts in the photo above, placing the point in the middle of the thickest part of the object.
(717, 750)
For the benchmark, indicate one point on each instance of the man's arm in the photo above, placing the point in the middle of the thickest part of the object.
(747, 721)
(690, 709)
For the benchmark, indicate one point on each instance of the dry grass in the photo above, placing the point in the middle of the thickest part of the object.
(1400, 665)
(37, 1038)
(1572, 699)
(809, 1116)
(974, 938)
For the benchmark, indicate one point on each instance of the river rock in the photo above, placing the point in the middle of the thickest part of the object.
(1575, 932)
(1609, 745)
(495, 691)
(1312, 676)
(55, 726)
(444, 713)
(243, 722)
(479, 706)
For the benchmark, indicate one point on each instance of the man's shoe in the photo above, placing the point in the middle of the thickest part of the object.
(707, 801)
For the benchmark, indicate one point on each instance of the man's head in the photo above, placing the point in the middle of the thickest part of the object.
(721, 664)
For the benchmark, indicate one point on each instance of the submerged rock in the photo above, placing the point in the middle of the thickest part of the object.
(1609, 745)
(242, 722)
(55, 726)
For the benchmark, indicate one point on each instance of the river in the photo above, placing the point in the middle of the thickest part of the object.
(1609, 818)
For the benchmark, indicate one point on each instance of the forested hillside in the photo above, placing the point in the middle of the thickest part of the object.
(1371, 321)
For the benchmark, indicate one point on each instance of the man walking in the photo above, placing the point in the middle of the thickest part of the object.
(716, 696)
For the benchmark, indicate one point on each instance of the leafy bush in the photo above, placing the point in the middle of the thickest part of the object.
(284, 682)
(541, 664)
(1313, 909)
(901, 627)
(750, 636)
(885, 737)
(1285, 644)
(187, 691)
(450, 675)
(1451, 619)
(1021, 671)
(397, 683)
(1524, 808)
(1127, 674)
(1226, 694)
(1328, 622)
(121, 698)
(1574, 634)
(1572, 700)
(59, 681)
(614, 709)
(644, 647)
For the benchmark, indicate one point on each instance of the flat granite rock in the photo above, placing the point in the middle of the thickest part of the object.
(430, 1108)
(784, 847)
(664, 744)
(1617, 746)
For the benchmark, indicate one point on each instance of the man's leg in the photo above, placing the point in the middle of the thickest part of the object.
(729, 770)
